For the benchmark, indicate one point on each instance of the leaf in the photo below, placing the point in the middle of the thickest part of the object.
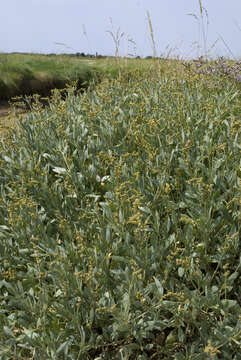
(145, 209)
(120, 259)
(4, 227)
(172, 337)
(229, 303)
(121, 216)
(59, 170)
(31, 333)
(58, 293)
(7, 159)
(63, 347)
(181, 271)
(159, 286)
(233, 276)
(108, 234)
(105, 178)
(218, 163)
(170, 240)
(180, 334)
(214, 289)
(7, 285)
(8, 331)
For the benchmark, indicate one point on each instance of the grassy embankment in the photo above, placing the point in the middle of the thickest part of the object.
(120, 221)
(28, 74)
(24, 75)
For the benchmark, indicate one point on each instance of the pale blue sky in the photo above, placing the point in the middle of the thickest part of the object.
(82, 25)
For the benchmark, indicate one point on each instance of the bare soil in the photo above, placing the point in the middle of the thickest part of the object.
(9, 118)
(4, 109)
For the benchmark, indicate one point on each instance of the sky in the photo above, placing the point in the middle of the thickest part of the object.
(89, 26)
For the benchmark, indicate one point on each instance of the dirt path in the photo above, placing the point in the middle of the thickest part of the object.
(8, 118)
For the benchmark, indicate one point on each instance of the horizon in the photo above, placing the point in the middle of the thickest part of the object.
(103, 56)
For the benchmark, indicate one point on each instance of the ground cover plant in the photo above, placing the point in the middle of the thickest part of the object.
(120, 221)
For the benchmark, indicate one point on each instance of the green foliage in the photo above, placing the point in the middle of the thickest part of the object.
(120, 222)
(22, 74)
(29, 74)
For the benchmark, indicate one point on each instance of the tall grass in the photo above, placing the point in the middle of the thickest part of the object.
(116, 37)
(151, 35)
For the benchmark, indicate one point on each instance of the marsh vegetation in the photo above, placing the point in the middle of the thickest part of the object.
(120, 220)
(120, 209)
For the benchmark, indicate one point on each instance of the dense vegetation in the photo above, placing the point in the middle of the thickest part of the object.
(28, 74)
(120, 221)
